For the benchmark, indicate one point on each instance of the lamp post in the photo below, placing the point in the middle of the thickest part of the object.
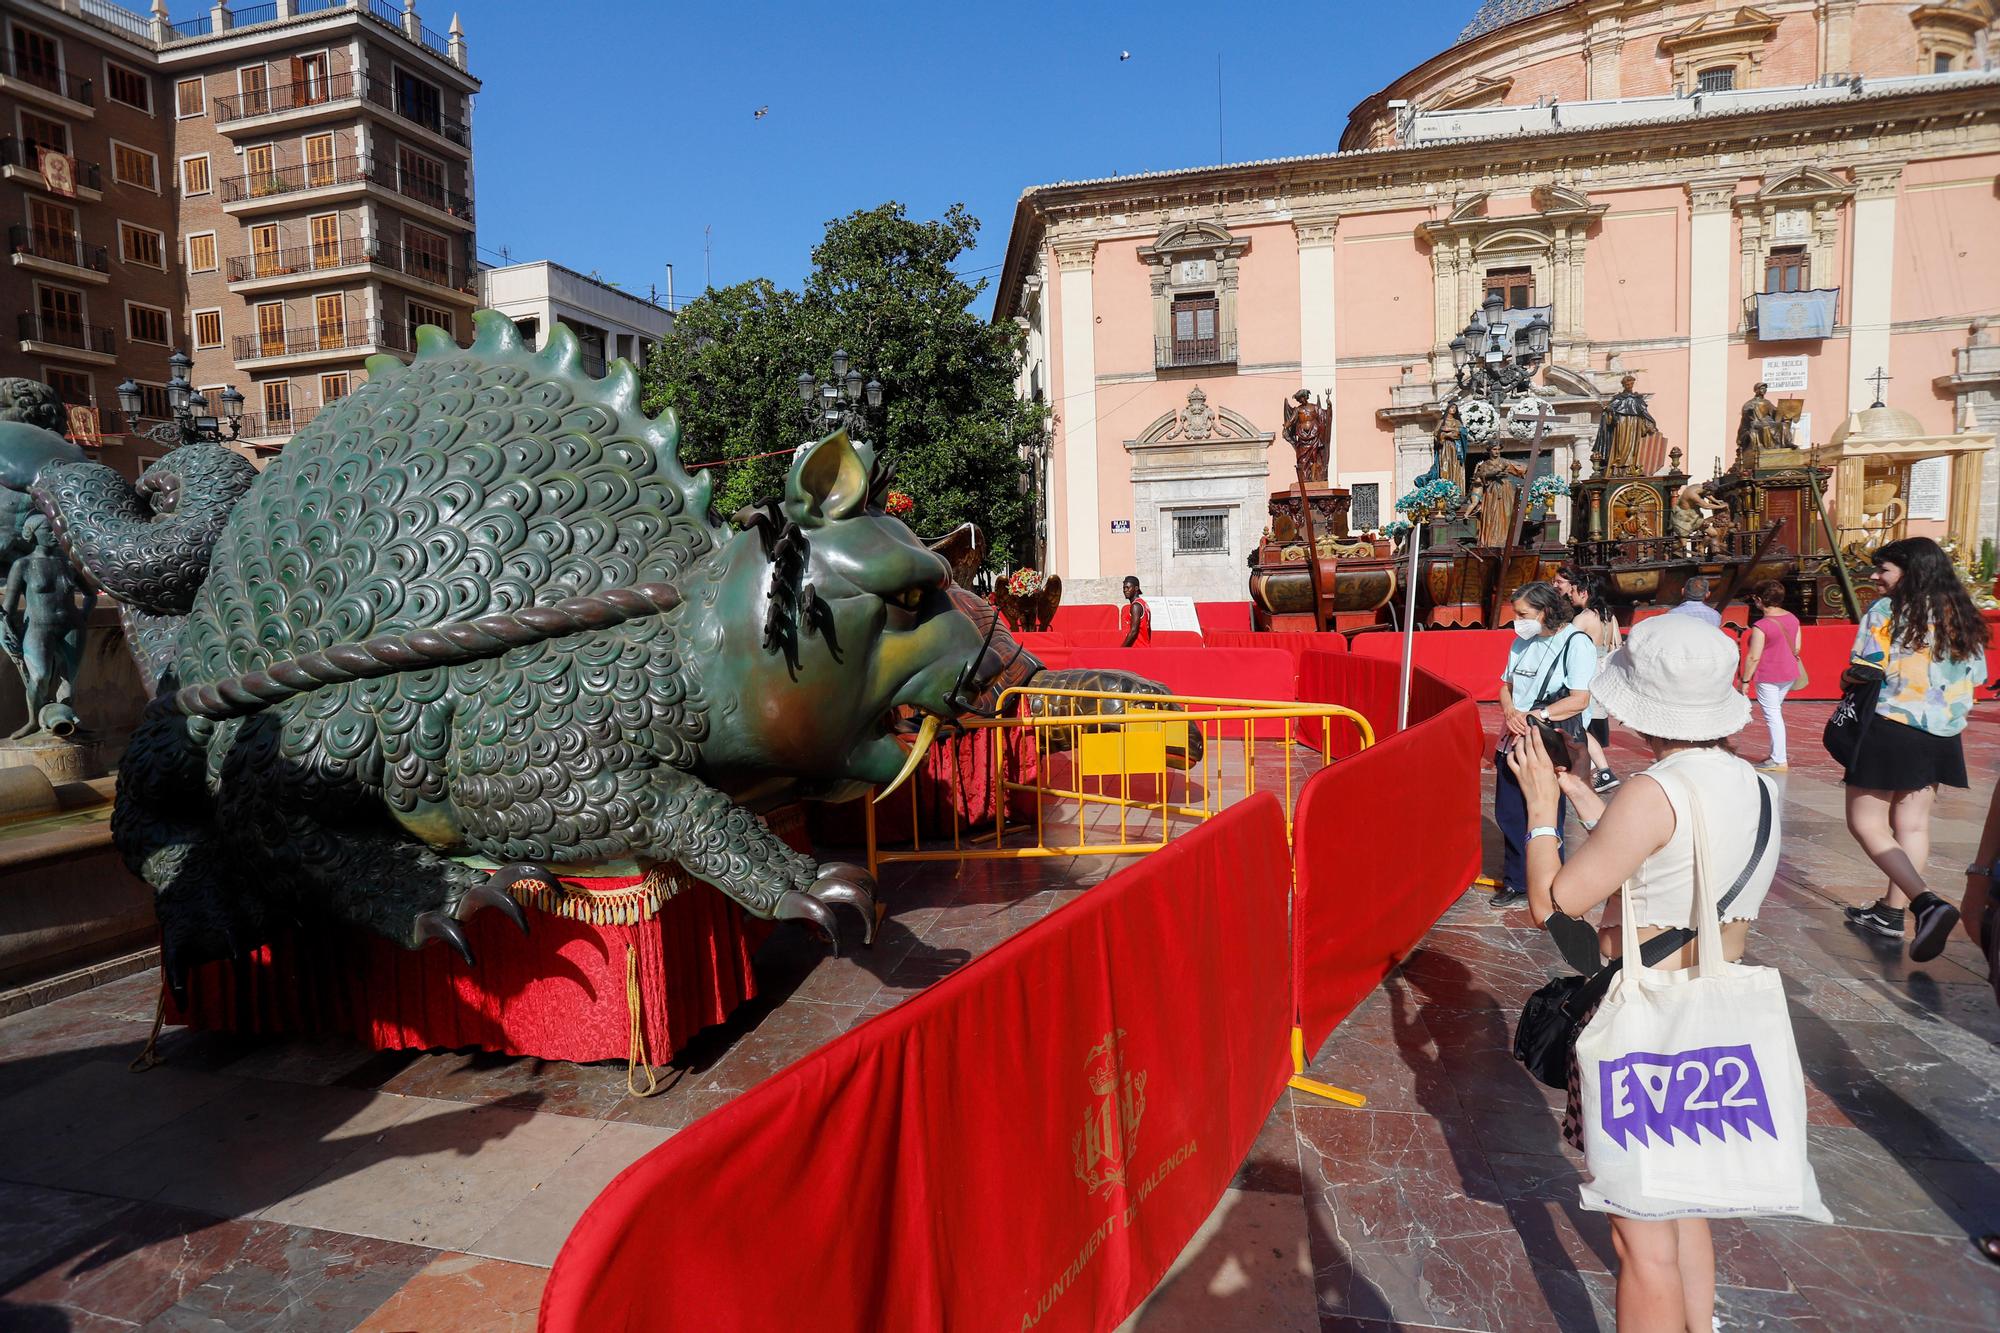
(191, 422)
(837, 402)
(1491, 359)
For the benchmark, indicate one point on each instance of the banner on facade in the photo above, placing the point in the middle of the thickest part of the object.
(58, 172)
(1789, 315)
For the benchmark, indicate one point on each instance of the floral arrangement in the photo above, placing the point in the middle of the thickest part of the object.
(1026, 582)
(1396, 528)
(1433, 499)
(1479, 418)
(899, 504)
(1547, 487)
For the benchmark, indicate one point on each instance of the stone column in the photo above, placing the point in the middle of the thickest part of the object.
(1870, 276)
(1709, 323)
(1075, 534)
(1317, 333)
(1975, 386)
(1836, 36)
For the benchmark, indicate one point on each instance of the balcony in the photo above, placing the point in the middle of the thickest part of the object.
(266, 425)
(20, 160)
(328, 341)
(424, 269)
(305, 97)
(1791, 316)
(281, 182)
(1172, 353)
(61, 254)
(46, 335)
(46, 84)
(347, 252)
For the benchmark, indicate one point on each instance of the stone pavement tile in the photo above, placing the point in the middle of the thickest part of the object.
(839, 981)
(1891, 1083)
(462, 1293)
(172, 1269)
(1247, 1270)
(48, 1041)
(440, 1177)
(37, 1225)
(675, 1107)
(1272, 1164)
(536, 1229)
(322, 1061)
(1392, 1076)
(55, 1129)
(1867, 1187)
(1877, 1279)
(1473, 969)
(484, 1078)
(1969, 1191)
(784, 1036)
(1737, 1309)
(246, 1149)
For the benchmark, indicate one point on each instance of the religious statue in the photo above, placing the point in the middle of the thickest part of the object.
(43, 611)
(1760, 425)
(1309, 429)
(412, 650)
(1624, 437)
(1692, 505)
(1494, 495)
(1448, 450)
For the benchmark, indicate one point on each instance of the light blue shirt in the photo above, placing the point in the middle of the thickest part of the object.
(1539, 668)
(1701, 611)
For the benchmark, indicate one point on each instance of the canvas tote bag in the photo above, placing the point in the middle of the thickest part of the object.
(1692, 1096)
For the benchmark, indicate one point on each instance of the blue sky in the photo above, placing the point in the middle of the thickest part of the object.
(612, 132)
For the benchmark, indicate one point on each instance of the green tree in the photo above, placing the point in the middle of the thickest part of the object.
(882, 288)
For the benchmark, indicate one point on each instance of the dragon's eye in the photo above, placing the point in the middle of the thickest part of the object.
(909, 598)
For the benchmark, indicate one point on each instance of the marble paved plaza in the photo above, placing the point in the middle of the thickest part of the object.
(292, 1185)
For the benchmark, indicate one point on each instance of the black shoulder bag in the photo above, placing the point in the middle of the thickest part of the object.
(1861, 686)
(1553, 1015)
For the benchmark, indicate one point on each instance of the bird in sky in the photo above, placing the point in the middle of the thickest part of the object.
(760, 113)
(1124, 55)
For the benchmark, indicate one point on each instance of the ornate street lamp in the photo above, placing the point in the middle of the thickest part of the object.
(837, 401)
(191, 422)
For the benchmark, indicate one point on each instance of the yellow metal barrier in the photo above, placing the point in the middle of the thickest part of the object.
(1151, 739)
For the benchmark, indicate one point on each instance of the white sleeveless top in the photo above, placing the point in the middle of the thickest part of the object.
(1663, 887)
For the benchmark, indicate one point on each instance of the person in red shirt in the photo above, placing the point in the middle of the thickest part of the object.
(1136, 619)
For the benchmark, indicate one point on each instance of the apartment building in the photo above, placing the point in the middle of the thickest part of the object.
(280, 190)
(608, 321)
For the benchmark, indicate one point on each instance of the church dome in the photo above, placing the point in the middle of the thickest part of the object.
(1878, 423)
(1499, 13)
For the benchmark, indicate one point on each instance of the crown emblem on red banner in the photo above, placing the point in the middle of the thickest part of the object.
(1103, 1147)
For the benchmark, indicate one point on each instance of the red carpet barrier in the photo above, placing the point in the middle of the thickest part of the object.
(1383, 842)
(1224, 673)
(1227, 616)
(1027, 1144)
(1111, 638)
(1471, 659)
(1069, 619)
(1298, 645)
(1368, 685)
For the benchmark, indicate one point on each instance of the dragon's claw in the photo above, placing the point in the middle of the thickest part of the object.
(843, 883)
(495, 892)
(796, 906)
(435, 925)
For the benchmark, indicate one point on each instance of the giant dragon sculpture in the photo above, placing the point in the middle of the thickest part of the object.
(476, 626)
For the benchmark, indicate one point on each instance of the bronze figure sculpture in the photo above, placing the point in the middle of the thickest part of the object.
(1309, 430)
(1494, 496)
(1760, 426)
(43, 611)
(1626, 431)
(476, 627)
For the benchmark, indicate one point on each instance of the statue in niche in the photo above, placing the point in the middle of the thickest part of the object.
(1448, 450)
(1760, 425)
(43, 610)
(1494, 495)
(1309, 429)
(1628, 428)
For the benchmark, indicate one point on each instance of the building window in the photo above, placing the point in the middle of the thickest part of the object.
(54, 229)
(1940, 64)
(330, 317)
(1365, 508)
(134, 166)
(253, 82)
(1721, 79)
(188, 99)
(1195, 326)
(277, 404)
(319, 160)
(37, 58)
(71, 387)
(1787, 269)
(419, 101)
(208, 328)
(333, 387)
(154, 404)
(309, 79)
(530, 329)
(62, 313)
(420, 314)
(427, 255)
(271, 329)
(128, 86)
(147, 323)
(1515, 285)
(142, 245)
(40, 132)
(325, 229)
(420, 177)
(1201, 534)
(201, 252)
(194, 174)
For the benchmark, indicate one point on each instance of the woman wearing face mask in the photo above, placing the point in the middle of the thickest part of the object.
(1549, 668)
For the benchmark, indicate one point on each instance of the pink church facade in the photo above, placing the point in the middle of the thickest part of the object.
(1702, 196)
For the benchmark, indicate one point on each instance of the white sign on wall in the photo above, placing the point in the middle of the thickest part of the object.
(1173, 613)
(1802, 436)
(1793, 224)
(1784, 374)
(1192, 270)
(1929, 480)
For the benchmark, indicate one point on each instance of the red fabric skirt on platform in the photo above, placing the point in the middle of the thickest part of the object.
(560, 992)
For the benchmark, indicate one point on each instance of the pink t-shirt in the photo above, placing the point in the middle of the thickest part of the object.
(1779, 665)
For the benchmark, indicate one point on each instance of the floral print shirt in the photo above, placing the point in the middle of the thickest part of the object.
(1917, 689)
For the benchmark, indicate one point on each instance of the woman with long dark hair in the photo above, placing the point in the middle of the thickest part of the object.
(1594, 616)
(1928, 641)
(1547, 681)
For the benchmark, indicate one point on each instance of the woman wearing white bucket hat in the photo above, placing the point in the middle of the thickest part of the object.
(1673, 683)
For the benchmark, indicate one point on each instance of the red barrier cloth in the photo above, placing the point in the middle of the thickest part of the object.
(1071, 618)
(1298, 645)
(1471, 659)
(1370, 686)
(1111, 638)
(1228, 616)
(1029, 1143)
(557, 993)
(1379, 858)
(1040, 641)
(1223, 673)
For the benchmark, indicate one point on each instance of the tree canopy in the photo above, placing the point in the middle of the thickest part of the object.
(882, 288)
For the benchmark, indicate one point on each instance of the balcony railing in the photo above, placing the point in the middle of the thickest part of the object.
(65, 333)
(423, 267)
(257, 425)
(338, 86)
(393, 16)
(319, 175)
(22, 153)
(57, 247)
(1217, 351)
(338, 253)
(48, 77)
(433, 196)
(320, 338)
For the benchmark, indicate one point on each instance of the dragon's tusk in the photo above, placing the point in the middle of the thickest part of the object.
(925, 735)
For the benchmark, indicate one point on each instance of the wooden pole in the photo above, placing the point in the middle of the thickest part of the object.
(1832, 542)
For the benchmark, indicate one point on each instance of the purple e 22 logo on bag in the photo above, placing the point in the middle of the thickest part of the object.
(1713, 1088)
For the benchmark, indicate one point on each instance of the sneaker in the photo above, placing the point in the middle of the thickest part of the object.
(1606, 781)
(1774, 766)
(1877, 919)
(1935, 918)
(1508, 898)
